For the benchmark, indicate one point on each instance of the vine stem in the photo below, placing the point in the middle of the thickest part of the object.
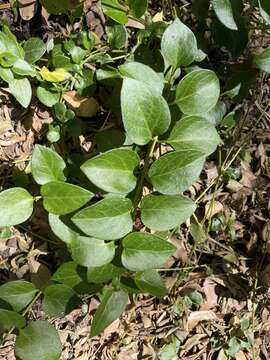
(149, 155)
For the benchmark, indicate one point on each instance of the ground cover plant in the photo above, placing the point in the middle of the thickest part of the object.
(156, 104)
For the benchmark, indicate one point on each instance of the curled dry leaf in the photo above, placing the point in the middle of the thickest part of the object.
(212, 208)
(27, 9)
(82, 106)
(197, 316)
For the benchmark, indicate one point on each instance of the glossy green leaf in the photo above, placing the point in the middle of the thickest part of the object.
(193, 132)
(143, 251)
(59, 300)
(61, 230)
(10, 319)
(114, 10)
(113, 171)
(137, 7)
(34, 49)
(21, 90)
(6, 74)
(61, 198)
(165, 212)
(111, 307)
(224, 12)
(108, 219)
(91, 252)
(262, 60)
(103, 274)
(215, 115)
(47, 96)
(68, 274)
(179, 45)
(265, 10)
(17, 293)
(16, 206)
(150, 282)
(22, 68)
(141, 72)
(145, 108)
(198, 92)
(11, 43)
(39, 340)
(175, 172)
(47, 165)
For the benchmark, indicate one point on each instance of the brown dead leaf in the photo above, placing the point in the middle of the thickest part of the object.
(112, 328)
(135, 24)
(234, 186)
(212, 208)
(82, 106)
(209, 288)
(240, 356)
(248, 178)
(196, 317)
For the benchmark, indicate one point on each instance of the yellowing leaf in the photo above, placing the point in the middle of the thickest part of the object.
(57, 75)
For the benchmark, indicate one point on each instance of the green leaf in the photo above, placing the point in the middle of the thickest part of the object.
(39, 340)
(103, 274)
(141, 72)
(21, 90)
(175, 172)
(47, 96)
(113, 170)
(91, 252)
(215, 115)
(193, 132)
(34, 49)
(198, 92)
(12, 44)
(112, 306)
(22, 68)
(179, 45)
(7, 59)
(68, 274)
(109, 139)
(61, 198)
(17, 293)
(108, 219)
(61, 230)
(47, 165)
(165, 212)
(145, 108)
(59, 6)
(143, 251)
(59, 300)
(6, 74)
(265, 10)
(115, 11)
(16, 206)
(150, 282)
(10, 319)
(117, 35)
(262, 60)
(137, 7)
(224, 12)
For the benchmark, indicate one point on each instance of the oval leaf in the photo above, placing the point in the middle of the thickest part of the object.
(68, 274)
(115, 11)
(17, 293)
(10, 319)
(47, 165)
(193, 132)
(179, 45)
(91, 252)
(198, 92)
(262, 60)
(103, 274)
(138, 7)
(143, 251)
(61, 230)
(145, 108)
(16, 206)
(113, 170)
(175, 172)
(39, 340)
(61, 198)
(150, 282)
(21, 90)
(108, 219)
(224, 12)
(34, 49)
(165, 212)
(111, 307)
(47, 96)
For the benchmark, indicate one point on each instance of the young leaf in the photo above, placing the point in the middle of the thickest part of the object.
(178, 45)
(193, 132)
(198, 92)
(47, 165)
(265, 10)
(150, 282)
(175, 172)
(21, 90)
(17, 293)
(141, 72)
(108, 219)
(39, 340)
(6, 74)
(138, 7)
(16, 206)
(61, 198)
(55, 76)
(22, 68)
(113, 170)
(68, 274)
(59, 300)
(34, 49)
(47, 96)
(262, 60)
(103, 274)
(165, 212)
(110, 308)
(61, 230)
(224, 12)
(91, 252)
(143, 251)
(115, 11)
(10, 319)
(145, 108)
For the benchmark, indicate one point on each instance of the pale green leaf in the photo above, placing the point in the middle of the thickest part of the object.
(150, 282)
(47, 96)
(224, 12)
(262, 60)
(6, 74)
(21, 90)
(61, 230)
(68, 274)
(18, 293)
(265, 10)
(23, 68)
(34, 49)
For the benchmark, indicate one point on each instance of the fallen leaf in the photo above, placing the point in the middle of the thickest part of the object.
(196, 317)
(82, 106)
(212, 208)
